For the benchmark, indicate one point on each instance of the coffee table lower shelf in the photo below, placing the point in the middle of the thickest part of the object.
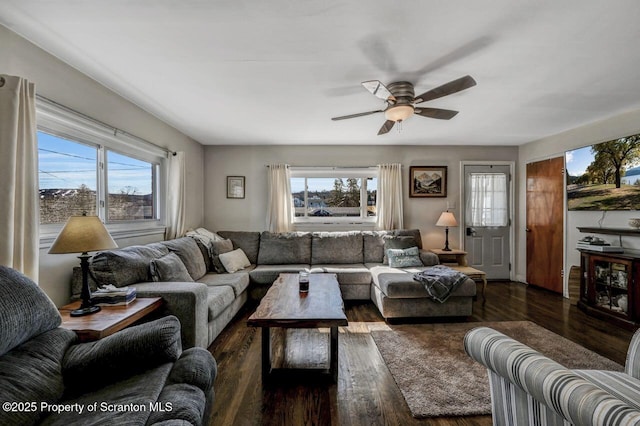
(295, 321)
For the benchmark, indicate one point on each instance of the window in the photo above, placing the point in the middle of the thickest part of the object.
(130, 189)
(333, 195)
(85, 166)
(488, 200)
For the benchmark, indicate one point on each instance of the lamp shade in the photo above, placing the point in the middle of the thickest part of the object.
(447, 219)
(82, 234)
(399, 112)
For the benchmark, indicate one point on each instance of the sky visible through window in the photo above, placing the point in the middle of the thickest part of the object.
(65, 164)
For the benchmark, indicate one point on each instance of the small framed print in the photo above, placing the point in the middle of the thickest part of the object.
(235, 186)
(427, 181)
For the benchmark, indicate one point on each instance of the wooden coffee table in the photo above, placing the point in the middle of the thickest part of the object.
(285, 307)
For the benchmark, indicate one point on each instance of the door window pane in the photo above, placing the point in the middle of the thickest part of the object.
(67, 178)
(130, 188)
(487, 203)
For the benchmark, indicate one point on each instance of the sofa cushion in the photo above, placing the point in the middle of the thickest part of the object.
(25, 310)
(218, 299)
(218, 248)
(336, 247)
(396, 242)
(234, 260)
(239, 281)
(169, 268)
(187, 249)
(33, 372)
(353, 273)
(399, 283)
(267, 274)
(404, 258)
(415, 233)
(373, 243)
(248, 241)
(285, 247)
(126, 266)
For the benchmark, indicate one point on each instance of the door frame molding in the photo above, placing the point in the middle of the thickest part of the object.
(463, 206)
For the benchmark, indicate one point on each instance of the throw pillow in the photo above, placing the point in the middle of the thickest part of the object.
(218, 248)
(169, 268)
(399, 242)
(234, 260)
(404, 258)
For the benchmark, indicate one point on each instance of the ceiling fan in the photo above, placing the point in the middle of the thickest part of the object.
(401, 101)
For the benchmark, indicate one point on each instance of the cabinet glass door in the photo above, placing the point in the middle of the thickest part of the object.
(611, 282)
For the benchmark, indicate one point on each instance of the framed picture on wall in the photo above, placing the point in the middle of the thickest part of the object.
(427, 181)
(235, 186)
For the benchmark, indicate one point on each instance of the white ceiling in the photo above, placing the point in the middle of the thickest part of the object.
(275, 72)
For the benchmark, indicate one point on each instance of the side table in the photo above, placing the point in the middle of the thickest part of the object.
(109, 320)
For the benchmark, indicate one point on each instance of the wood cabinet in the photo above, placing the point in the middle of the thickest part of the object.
(608, 286)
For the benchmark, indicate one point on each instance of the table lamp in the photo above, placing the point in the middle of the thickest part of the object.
(82, 234)
(446, 219)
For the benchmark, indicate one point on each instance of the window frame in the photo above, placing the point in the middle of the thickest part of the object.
(363, 221)
(62, 122)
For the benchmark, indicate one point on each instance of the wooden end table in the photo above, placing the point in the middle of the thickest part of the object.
(460, 256)
(109, 320)
(285, 307)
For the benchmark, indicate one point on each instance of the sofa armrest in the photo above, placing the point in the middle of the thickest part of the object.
(428, 258)
(123, 354)
(632, 365)
(188, 302)
(528, 378)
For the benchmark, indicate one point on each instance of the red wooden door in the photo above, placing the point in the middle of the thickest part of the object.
(545, 229)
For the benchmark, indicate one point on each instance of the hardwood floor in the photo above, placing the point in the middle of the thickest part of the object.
(366, 393)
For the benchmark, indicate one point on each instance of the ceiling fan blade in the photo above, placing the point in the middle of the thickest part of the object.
(388, 125)
(440, 114)
(360, 114)
(446, 89)
(378, 89)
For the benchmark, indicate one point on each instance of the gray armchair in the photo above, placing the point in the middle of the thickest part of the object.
(137, 376)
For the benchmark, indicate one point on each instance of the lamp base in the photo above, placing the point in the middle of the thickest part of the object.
(446, 248)
(84, 311)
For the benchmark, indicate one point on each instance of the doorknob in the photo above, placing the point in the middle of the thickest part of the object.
(470, 231)
(527, 230)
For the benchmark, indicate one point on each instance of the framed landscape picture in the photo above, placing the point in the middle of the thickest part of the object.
(235, 186)
(428, 181)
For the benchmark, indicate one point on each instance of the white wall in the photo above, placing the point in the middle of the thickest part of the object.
(621, 125)
(250, 161)
(59, 82)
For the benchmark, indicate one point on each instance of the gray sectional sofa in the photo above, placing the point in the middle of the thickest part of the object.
(206, 305)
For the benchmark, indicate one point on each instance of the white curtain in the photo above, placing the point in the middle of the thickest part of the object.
(279, 203)
(487, 202)
(19, 201)
(389, 197)
(176, 203)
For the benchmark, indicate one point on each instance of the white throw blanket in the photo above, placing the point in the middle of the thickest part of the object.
(440, 281)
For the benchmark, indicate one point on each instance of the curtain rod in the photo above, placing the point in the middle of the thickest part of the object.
(330, 167)
(103, 124)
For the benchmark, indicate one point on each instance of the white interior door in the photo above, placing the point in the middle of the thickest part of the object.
(487, 219)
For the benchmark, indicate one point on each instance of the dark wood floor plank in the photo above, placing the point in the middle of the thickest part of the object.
(366, 393)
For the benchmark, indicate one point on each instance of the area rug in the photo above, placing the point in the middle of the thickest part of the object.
(436, 376)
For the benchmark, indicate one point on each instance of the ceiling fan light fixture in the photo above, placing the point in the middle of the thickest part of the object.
(399, 112)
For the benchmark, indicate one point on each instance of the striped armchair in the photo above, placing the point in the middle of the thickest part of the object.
(528, 388)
